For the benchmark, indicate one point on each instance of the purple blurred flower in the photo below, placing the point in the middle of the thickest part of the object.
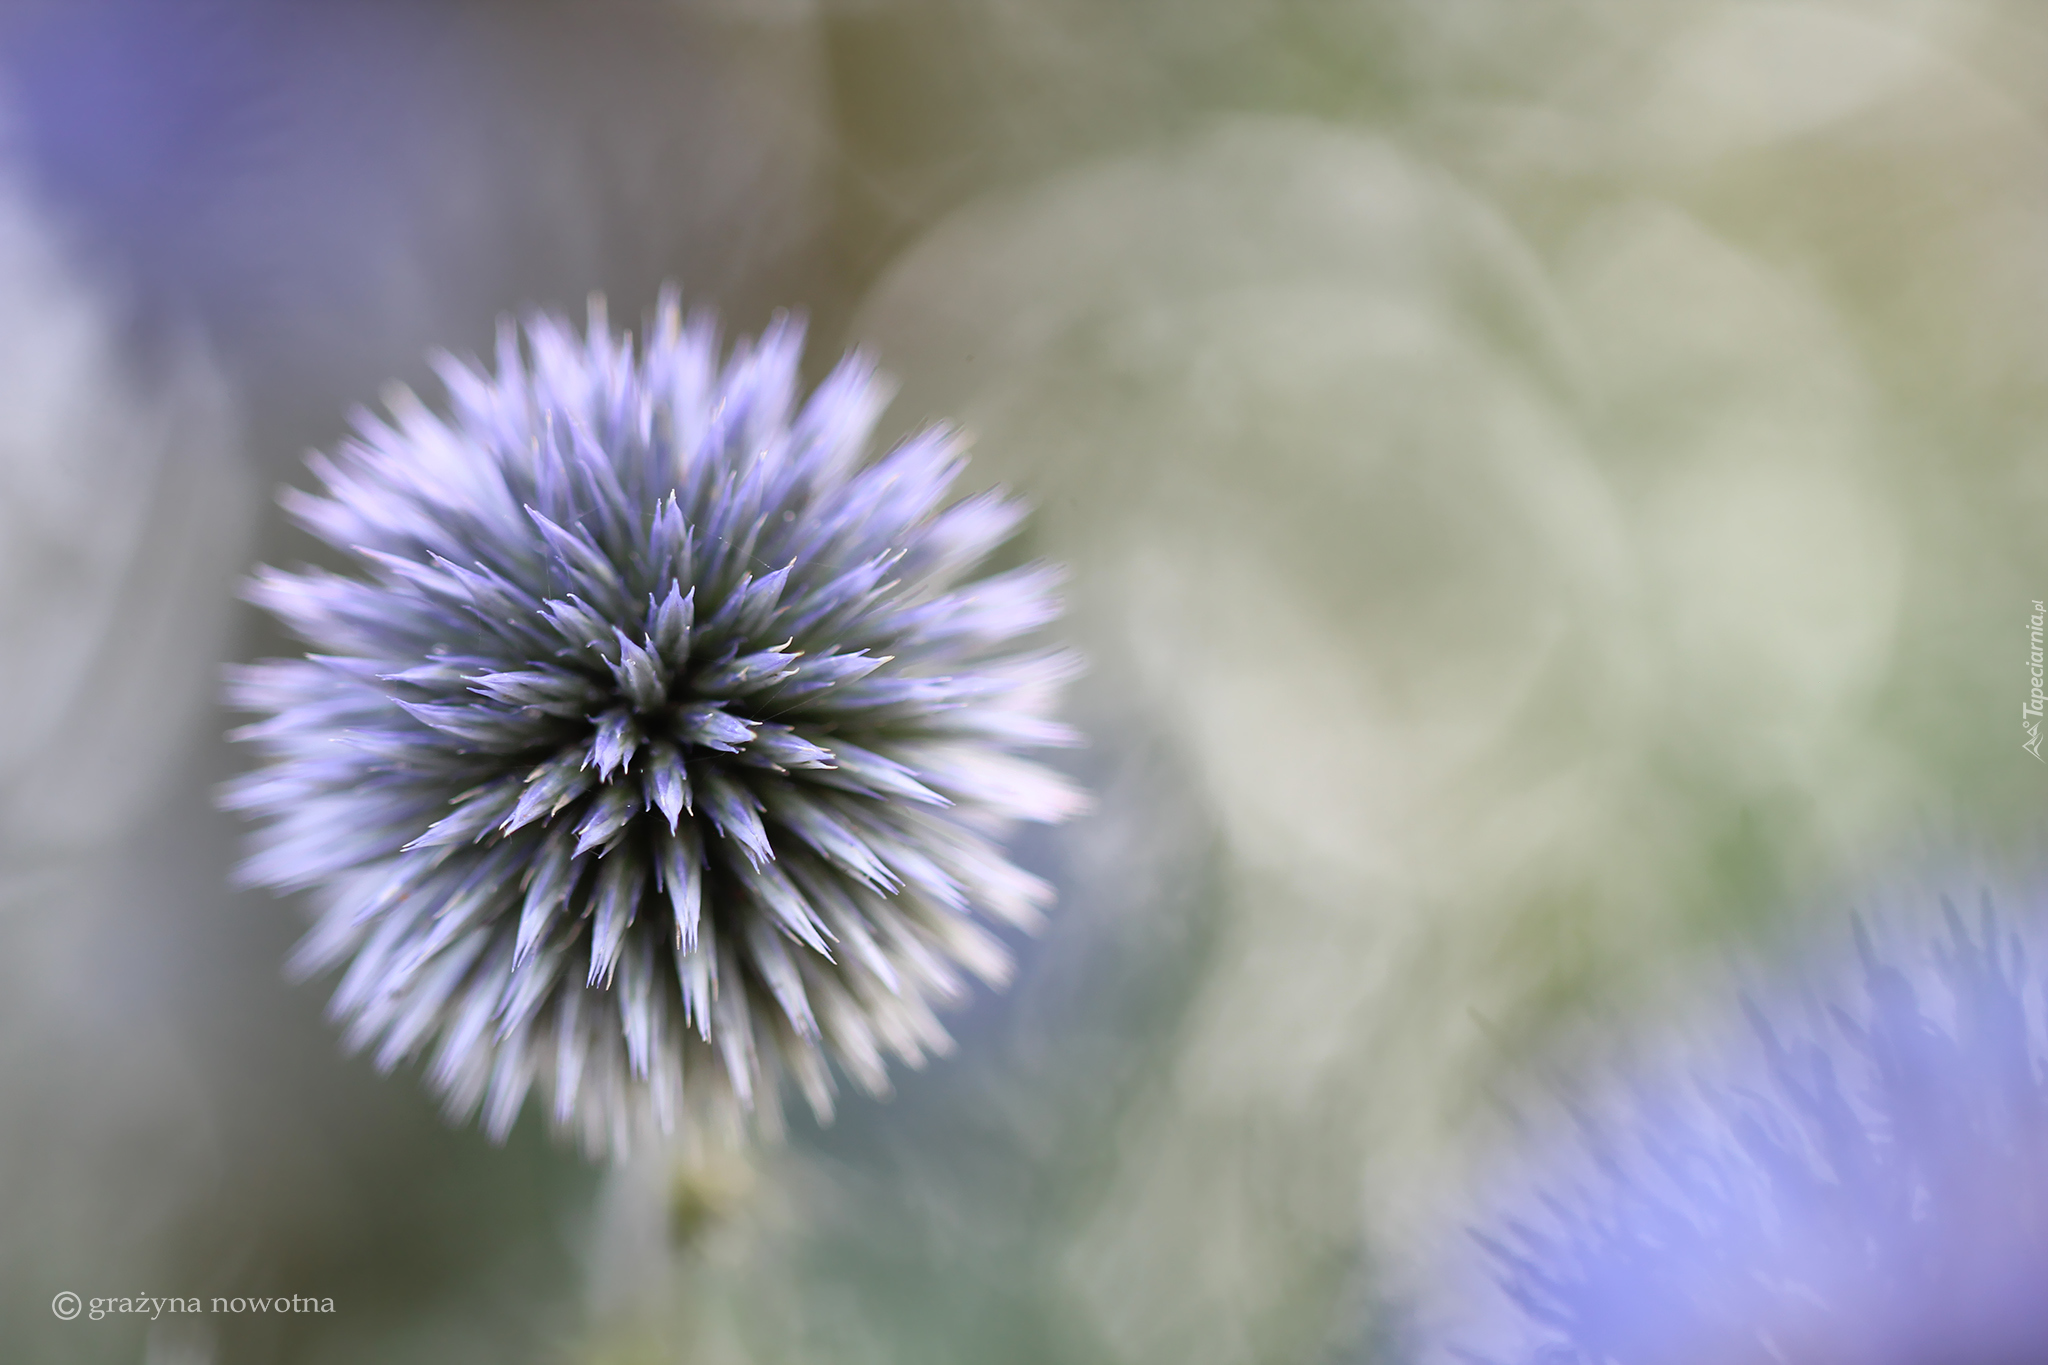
(662, 741)
(1870, 1190)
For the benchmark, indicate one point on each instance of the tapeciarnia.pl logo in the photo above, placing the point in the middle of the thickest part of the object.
(2030, 714)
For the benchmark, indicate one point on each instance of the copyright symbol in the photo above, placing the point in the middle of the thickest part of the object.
(65, 1305)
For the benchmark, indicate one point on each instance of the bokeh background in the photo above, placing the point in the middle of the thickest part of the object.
(1554, 495)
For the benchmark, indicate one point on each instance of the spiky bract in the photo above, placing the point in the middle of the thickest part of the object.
(1871, 1189)
(662, 740)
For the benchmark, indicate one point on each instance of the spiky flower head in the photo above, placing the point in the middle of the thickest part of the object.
(1868, 1188)
(660, 741)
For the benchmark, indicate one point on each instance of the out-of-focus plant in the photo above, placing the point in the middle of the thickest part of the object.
(1862, 1181)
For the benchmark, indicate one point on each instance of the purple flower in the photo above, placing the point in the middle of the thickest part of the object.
(661, 741)
(1871, 1189)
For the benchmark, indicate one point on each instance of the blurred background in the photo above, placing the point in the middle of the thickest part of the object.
(1554, 495)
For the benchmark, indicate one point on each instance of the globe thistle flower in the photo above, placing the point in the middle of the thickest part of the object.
(660, 743)
(1868, 1189)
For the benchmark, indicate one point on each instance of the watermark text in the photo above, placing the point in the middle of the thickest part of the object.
(2030, 714)
(68, 1305)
